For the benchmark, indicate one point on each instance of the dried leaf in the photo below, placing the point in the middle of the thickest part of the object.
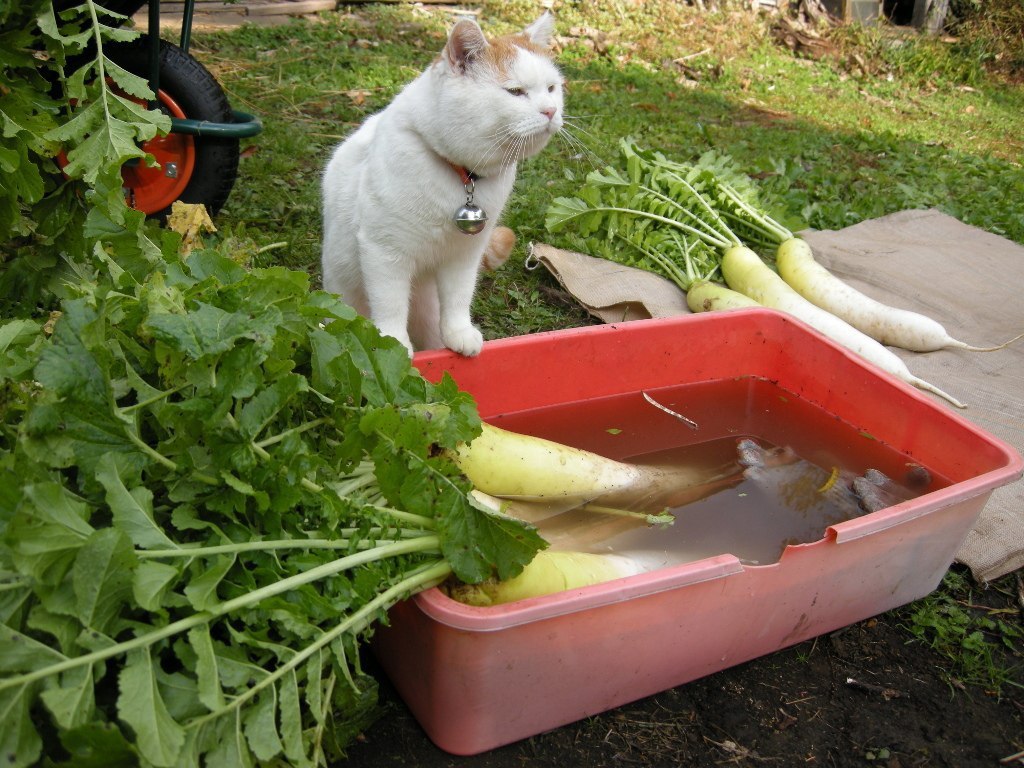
(190, 220)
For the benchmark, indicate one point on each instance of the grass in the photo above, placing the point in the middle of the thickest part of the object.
(883, 122)
(983, 645)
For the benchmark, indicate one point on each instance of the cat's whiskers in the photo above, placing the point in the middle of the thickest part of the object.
(495, 147)
(579, 150)
(573, 121)
(507, 140)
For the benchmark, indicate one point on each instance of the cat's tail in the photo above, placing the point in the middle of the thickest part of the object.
(499, 248)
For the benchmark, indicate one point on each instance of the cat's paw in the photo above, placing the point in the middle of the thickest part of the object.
(466, 340)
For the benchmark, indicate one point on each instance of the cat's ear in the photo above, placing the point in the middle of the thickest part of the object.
(541, 31)
(466, 44)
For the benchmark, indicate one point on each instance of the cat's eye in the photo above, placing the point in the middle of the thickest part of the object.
(516, 91)
(551, 89)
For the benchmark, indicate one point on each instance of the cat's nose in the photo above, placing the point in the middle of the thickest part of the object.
(549, 112)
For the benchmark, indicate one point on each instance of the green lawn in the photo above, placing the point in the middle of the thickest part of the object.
(885, 121)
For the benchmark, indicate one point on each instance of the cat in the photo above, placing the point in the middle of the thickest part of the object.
(391, 247)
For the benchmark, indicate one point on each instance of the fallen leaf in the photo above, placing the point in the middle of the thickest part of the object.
(190, 220)
(51, 321)
(357, 96)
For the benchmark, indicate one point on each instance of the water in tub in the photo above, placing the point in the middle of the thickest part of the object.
(761, 494)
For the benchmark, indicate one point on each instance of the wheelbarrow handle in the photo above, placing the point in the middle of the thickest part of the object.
(242, 126)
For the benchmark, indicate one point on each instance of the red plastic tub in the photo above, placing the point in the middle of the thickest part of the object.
(478, 678)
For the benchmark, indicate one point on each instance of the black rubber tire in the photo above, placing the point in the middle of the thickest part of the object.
(200, 97)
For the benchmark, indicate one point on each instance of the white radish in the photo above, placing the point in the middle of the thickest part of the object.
(569, 526)
(888, 325)
(550, 572)
(512, 465)
(706, 296)
(555, 478)
(744, 271)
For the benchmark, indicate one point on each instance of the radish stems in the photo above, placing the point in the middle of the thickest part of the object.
(661, 519)
(245, 600)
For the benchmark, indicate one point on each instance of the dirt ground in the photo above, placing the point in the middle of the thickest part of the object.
(866, 695)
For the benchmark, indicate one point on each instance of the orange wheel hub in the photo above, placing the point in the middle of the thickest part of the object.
(151, 189)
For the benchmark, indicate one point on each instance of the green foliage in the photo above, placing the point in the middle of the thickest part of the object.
(217, 483)
(992, 32)
(983, 648)
(664, 216)
(66, 101)
(213, 481)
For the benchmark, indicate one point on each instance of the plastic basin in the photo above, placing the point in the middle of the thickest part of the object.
(478, 678)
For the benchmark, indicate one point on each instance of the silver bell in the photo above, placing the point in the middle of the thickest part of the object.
(470, 219)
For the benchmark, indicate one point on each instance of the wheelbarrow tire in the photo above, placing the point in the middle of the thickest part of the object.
(200, 97)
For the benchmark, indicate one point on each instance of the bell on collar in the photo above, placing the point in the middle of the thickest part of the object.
(470, 219)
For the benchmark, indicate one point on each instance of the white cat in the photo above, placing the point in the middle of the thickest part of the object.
(391, 246)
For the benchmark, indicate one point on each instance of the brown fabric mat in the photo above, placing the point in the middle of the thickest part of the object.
(967, 279)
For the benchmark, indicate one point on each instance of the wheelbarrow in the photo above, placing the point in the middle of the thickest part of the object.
(197, 162)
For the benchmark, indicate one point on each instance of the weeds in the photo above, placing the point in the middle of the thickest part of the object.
(993, 32)
(983, 645)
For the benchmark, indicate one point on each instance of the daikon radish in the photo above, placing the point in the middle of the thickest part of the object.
(512, 465)
(744, 271)
(888, 325)
(550, 572)
(706, 296)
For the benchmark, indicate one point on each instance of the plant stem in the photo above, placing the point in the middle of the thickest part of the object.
(17, 583)
(305, 482)
(276, 544)
(714, 242)
(666, 266)
(293, 431)
(154, 399)
(421, 521)
(423, 578)
(761, 218)
(405, 547)
(720, 239)
(661, 519)
(159, 458)
(724, 232)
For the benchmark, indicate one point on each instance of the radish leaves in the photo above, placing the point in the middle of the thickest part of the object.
(217, 484)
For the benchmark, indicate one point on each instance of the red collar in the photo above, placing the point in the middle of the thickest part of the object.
(467, 176)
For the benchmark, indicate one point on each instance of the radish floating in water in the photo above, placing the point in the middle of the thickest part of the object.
(745, 272)
(577, 499)
(584, 554)
(889, 325)
(511, 465)
(550, 572)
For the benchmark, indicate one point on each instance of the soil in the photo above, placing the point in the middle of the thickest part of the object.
(867, 695)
